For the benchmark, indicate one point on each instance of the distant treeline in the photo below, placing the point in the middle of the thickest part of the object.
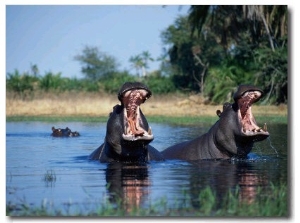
(26, 83)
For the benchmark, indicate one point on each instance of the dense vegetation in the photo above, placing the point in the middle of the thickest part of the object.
(210, 51)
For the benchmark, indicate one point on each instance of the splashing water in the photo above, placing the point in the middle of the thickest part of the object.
(275, 150)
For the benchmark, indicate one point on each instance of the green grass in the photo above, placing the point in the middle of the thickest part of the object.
(183, 120)
(273, 203)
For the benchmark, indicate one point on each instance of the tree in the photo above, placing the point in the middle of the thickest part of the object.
(146, 57)
(96, 64)
(137, 63)
(247, 43)
(165, 65)
(140, 63)
(34, 70)
(190, 55)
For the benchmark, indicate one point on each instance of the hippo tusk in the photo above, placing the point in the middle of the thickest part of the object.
(150, 131)
(265, 127)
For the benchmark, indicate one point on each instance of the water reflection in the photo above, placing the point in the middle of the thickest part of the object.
(224, 176)
(128, 184)
(249, 183)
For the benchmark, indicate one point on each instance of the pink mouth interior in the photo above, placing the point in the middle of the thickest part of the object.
(246, 117)
(132, 100)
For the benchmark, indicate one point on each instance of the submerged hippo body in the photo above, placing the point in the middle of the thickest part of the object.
(127, 133)
(59, 132)
(233, 135)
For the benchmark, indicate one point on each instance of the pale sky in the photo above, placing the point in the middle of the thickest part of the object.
(50, 36)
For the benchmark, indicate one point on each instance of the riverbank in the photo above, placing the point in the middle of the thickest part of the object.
(79, 106)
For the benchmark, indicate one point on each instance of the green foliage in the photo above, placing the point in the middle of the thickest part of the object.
(109, 84)
(160, 84)
(21, 84)
(214, 46)
(113, 83)
(96, 64)
(50, 81)
(221, 82)
(73, 84)
(273, 73)
(207, 199)
(181, 55)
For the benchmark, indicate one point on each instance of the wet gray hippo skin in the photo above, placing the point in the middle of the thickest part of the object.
(127, 132)
(233, 135)
(59, 132)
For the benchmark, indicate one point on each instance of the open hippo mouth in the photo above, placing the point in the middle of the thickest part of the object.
(134, 128)
(249, 126)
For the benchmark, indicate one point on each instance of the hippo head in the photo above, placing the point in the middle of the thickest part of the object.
(245, 96)
(132, 95)
(59, 132)
(238, 129)
(128, 132)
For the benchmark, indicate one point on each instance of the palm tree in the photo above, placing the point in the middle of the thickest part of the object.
(137, 63)
(230, 20)
(34, 69)
(140, 62)
(274, 19)
(145, 57)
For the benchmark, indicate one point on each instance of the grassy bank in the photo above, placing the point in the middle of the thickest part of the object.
(181, 120)
(95, 107)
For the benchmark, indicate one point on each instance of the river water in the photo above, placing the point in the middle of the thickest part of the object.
(55, 172)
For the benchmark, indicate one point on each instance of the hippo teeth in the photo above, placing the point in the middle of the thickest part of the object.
(135, 138)
(150, 131)
(265, 127)
(258, 129)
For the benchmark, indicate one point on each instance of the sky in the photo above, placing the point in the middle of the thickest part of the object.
(50, 36)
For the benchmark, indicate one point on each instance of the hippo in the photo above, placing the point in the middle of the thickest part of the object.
(127, 132)
(63, 132)
(233, 135)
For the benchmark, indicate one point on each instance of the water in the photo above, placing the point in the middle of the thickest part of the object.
(43, 170)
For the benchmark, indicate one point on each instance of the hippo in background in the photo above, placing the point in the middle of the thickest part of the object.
(59, 132)
(233, 135)
(127, 133)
